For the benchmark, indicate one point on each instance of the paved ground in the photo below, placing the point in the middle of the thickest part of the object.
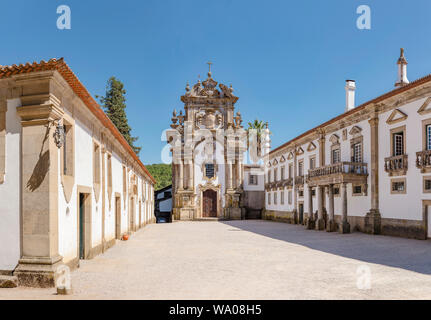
(249, 260)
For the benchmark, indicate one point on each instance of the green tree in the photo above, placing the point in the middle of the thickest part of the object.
(114, 105)
(162, 173)
(259, 126)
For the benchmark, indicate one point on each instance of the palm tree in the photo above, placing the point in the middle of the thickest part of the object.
(259, 126)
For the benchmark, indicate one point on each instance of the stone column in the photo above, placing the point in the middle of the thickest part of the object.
(330, 227)
(295, 188)
(39, 190)
(372, 223)
(229, 174)
(344, 225)
(181, 179)
(320, 223)
(238, 176)
(190, 183)
(310, 220)
(3, 109)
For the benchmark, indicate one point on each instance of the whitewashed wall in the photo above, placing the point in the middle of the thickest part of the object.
(10, 189)
(69, 212)
(409, 205)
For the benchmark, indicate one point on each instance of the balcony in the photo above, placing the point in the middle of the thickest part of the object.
(348, 172)
(396, 165)
(299, 180)
(287, 182)
(423, 160)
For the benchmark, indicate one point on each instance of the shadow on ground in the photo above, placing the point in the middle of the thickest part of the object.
(409, 254)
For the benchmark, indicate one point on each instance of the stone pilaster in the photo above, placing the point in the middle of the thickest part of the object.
(330, 227)
(372, 223)
(40, 256)
(344, 225)
(295, 187)
(310, 220)
(320, 223)
(3, 110)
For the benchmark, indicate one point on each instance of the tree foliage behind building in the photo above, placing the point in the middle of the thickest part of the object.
(114, 105)
(162, 173)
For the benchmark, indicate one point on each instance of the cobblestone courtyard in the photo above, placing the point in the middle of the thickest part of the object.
(248, 260)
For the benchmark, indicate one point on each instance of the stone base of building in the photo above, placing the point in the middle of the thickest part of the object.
(331, 226)
(372, 222)
(37, 272)
(186, 213)
(320, 224)
(282, 216)
(344, 227)
(233, 213)
(310, 224)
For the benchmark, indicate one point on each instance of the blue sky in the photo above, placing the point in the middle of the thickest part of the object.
(287, 60)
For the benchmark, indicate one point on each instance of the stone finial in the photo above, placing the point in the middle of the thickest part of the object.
(187, 87)
(402, 70)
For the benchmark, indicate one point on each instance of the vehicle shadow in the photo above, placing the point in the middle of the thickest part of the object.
(409, 254)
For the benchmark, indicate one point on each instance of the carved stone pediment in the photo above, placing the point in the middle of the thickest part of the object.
(275, 162)
(311, 146)
(425, 108)
(282, 159)
(334, 139)
(290, 156)
(355, 131)
(299, 151)
(396, 116)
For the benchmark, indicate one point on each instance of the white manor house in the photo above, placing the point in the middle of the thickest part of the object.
(368, 169)
(70, 184)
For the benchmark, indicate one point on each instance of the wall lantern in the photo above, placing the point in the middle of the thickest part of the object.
(59, 135)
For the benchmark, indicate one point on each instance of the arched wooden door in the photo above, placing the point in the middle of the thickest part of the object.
(209, 205)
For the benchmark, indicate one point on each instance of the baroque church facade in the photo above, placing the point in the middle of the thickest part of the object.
(210, 175)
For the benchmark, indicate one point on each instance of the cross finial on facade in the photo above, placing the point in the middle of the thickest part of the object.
(209, 63)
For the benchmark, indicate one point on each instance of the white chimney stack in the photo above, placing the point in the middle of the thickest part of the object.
(350, 94)
(402, 70)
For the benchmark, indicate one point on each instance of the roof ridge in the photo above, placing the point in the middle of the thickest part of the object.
(379, 98)
(80, 90)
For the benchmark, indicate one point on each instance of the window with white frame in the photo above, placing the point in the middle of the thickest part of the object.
(269, 197)
(289, 197)
(252, 179)
(312, 162)
(282, 172)
(336, 155)
(300, 168)
(290, 170)
(275, 174)
(357, 152)
(282, 197)
(398, 143)
(275, 197)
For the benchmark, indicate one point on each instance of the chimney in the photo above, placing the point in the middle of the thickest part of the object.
(350, 94)
(402, 70)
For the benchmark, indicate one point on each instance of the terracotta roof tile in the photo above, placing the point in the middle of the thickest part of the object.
(81, 92)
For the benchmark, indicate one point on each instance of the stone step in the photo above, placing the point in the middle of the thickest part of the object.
(8, 281)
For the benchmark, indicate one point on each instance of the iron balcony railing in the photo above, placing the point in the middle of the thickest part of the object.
(396, 163)
(299, 180)
(339, 168)
(423, 159)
